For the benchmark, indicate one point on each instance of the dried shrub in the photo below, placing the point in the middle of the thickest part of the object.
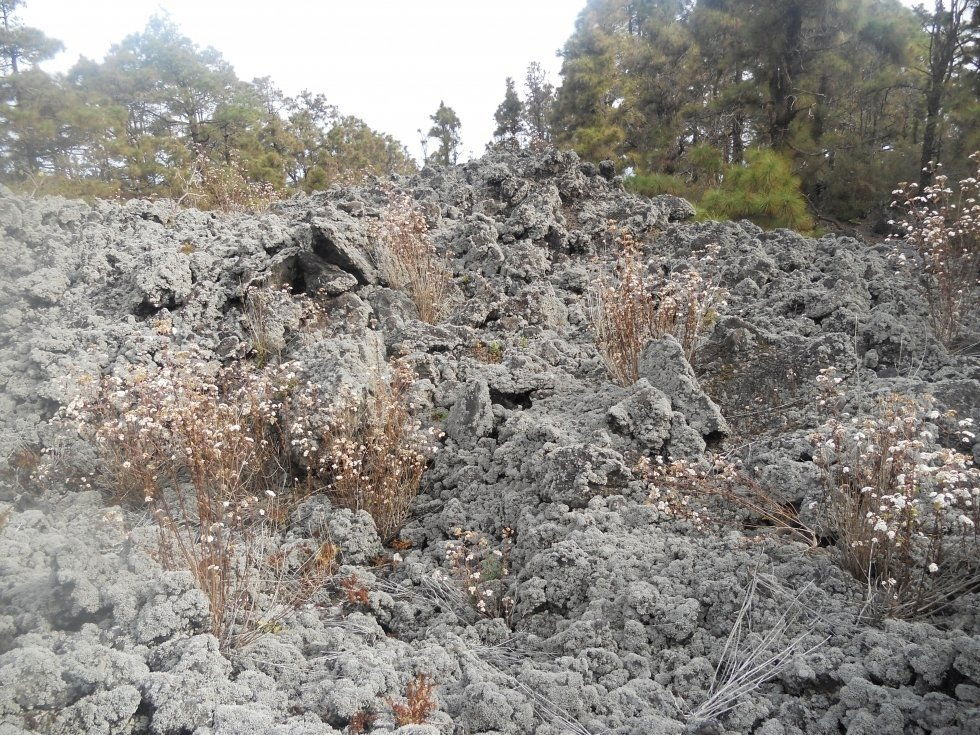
(419, 702)
(482, 567)
(680, 488)
(904, 512)
(222, 185)
(354, 591)
(491, 353)
(204, 451)
(24, 464)
(369, 453)
(361, 722)
(408, 260)
(942, 223)
(319, 567)
(676, 488)
(5, 518)
(640, 306)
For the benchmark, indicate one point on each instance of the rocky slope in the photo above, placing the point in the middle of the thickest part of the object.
(621, 608)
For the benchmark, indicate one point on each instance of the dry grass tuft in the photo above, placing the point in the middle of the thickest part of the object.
(638, 307)
(419, 702)
(268, 314)
(408, 260)
(261, 305)
(753, 656)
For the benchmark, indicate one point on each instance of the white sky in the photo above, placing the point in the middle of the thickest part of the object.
(389, 62)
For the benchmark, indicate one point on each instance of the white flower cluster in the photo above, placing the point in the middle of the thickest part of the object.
(896, 501)
(675, 485)
(483, 568)
(368, 451)
(943, 225)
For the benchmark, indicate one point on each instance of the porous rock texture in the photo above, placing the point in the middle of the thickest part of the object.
(621, 611)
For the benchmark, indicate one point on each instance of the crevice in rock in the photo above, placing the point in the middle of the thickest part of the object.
(145, 309)
(512, 401)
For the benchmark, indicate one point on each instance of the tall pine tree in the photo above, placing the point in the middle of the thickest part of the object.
(510, 115)
(445, 130)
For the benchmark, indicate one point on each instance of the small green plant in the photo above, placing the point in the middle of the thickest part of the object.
(699, 168)
(763, 190)
(492, 352)
(657, 184)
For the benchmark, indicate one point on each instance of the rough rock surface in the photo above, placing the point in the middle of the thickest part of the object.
(620, 611)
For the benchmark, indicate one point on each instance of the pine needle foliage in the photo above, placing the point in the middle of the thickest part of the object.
(764, 190)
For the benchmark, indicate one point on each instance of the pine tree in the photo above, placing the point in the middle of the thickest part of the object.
(763, 190)
(584, 115)
(32, 107)
(832, 84)
(539, 102)
(445, 130)
(20, 44)
(510, 115)
(949, 26)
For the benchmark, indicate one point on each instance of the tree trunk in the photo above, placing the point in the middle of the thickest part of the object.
(738, 125)
(13, 49)
(930, 142)
(944, 39)
(782, 75)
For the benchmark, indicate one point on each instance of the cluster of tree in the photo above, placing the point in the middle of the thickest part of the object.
(855, 95)
(528, 119)
(137, 123)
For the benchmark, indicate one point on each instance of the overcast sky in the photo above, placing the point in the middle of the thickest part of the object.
(389, 62)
